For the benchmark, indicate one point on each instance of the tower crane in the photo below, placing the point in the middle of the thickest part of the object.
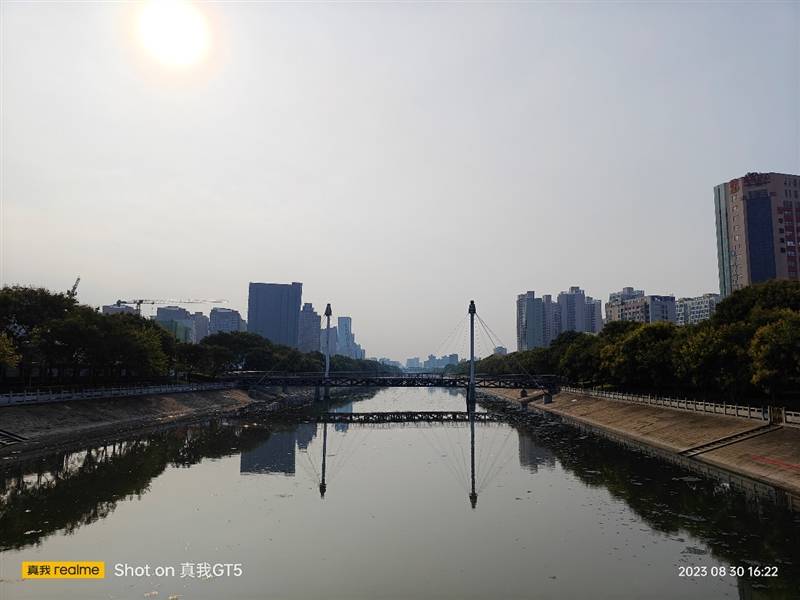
(139, 301)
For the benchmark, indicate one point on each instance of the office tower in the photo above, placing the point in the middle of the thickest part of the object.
(179, 321)
(273, 311)
(757, 219)
(122, 309)
(332, 346)
(413, 363)
(690, 311)
(225, 320)
(308, 329)
(201, 323)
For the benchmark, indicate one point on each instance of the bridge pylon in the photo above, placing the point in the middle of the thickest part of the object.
(471, 386)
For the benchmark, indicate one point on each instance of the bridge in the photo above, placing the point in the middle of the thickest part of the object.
(406, 417)
(411, 380)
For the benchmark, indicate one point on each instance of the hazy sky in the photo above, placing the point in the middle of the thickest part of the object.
(398, 159)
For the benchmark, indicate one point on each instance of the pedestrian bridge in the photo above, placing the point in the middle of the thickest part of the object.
(409, 380)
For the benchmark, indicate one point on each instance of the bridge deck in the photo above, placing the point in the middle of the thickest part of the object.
(405, 417)
(411, 380)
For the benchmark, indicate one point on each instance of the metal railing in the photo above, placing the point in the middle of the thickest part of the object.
(47, 396)
(731, 410)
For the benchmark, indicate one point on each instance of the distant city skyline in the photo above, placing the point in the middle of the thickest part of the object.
(405, 159)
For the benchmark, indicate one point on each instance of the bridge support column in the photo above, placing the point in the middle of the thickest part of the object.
(547, 398)
(316, 393)
(471, 387)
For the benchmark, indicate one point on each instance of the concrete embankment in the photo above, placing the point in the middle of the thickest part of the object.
(748, 454)
(28, 430)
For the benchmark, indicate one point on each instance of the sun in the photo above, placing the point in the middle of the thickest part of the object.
(174, 32)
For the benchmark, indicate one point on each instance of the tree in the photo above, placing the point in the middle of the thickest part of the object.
(775, 352)
(580, 362)
(715, 359)
(643, 357)
(774, 294)
(8, 354)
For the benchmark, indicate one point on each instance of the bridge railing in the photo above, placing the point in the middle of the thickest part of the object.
(47, 396)
(732, 410)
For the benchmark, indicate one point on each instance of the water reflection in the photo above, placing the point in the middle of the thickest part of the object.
(68, 491)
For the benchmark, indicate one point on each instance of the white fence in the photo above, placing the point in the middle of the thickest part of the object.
(733, 410)
(45, 396)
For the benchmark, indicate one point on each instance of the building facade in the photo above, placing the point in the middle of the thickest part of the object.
(179, 321)
(201, 323)
(308, 329)
(225, 320)
(690, 311)
(273, 311)
(122, 309)
(642, 309)
(538, 321)
(757, 219)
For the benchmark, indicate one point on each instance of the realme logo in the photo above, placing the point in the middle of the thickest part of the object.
(63, 570)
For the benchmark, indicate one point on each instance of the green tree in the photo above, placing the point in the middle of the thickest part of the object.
(715, 359)
(643, 357)
(774, 294)
(8, 354)
(775, 352)
(580, 362)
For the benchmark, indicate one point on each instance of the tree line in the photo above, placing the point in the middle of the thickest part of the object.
(49, 338)
(750, 348)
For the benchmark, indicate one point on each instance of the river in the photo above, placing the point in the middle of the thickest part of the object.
(559, 514)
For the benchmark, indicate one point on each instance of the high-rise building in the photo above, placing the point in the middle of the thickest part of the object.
(594, 315)
(573, 309)
(201, 323)
(308, 329)
(690, 311)
(758, 229)
(179, 321)
(329, 346)
(413, 363)
(641, 309)
(273, 311)
(538, 321)
(122, 309)
(225, 320)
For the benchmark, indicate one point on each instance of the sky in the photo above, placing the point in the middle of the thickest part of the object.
(399, 159)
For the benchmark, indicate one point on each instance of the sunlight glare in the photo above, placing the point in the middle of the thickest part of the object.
(175, 32)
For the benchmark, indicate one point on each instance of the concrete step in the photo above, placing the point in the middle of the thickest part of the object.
(731, 439)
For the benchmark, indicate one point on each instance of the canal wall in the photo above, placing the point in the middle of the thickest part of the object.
(755, 456)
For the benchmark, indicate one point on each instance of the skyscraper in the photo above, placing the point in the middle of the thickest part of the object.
(538, 321)
(757, 219)
(273, 311)
(225, 320)
(308, 330)
(573, 309)
(201, 323)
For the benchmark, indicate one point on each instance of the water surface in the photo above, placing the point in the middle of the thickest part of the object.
(558, 515)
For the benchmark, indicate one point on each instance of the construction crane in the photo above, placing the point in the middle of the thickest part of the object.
(139, 301)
